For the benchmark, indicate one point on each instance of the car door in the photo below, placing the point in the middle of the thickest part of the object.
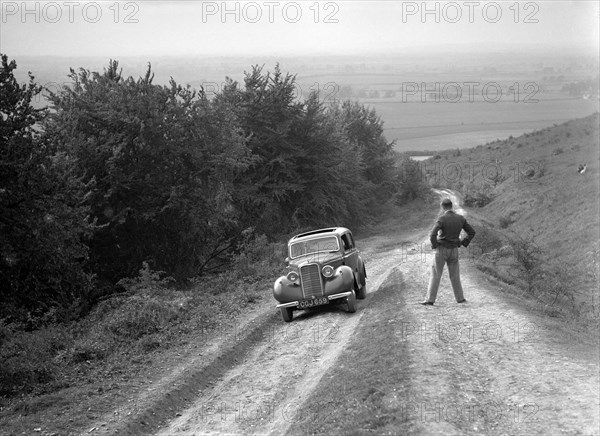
(350, 252)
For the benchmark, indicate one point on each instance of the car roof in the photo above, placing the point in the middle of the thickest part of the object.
(321, 232)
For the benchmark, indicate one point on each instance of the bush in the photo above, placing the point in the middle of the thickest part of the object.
(529, 259)
(506, 220)
(256, 254)
(488, 240)
(28, 359)
(542, 166)
(410, 180)
(137, 316)
(129, 317)
(87, 349)
(478, 195)
(147, 279)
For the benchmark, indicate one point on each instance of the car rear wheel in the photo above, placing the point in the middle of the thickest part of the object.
(361, 294)
(287, 313)
(351, 302)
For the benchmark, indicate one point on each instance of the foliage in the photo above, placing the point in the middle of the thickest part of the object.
(477, 195)
(313, 165)
(163, 159)
(146, 279)
(44, 222)
(487, 239)
(410, 180)
(506, 220)
(27, 359)
(529, 261)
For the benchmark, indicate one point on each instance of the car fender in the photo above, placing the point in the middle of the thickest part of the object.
(341, 281)
(285, 291)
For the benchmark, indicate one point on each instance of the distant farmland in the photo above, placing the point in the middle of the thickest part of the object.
(461, 116)
(444, 125)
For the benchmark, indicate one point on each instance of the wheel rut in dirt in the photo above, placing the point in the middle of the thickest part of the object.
(179, 389)
(263, 393)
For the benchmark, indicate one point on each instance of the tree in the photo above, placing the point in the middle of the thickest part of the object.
(410, 180)
(312, 165)
(43, 215)
(163, 159)
(332, 181)
(364, 138)
(267, 111)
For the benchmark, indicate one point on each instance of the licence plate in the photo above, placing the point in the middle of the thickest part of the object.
(303, 304)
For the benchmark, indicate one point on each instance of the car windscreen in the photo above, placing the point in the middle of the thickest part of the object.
(318, 245)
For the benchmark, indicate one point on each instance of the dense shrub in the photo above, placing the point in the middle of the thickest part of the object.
(44, 210)
(164, 161)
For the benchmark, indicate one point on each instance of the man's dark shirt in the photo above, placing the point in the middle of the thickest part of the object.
(450, 224)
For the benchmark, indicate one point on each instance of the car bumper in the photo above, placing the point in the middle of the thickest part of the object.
(329, 297)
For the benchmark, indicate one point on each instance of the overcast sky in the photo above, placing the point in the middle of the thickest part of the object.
(75, 28)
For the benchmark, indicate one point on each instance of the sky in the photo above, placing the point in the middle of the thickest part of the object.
(288, 28)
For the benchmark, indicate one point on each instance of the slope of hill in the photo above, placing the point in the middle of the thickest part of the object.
(533, 191)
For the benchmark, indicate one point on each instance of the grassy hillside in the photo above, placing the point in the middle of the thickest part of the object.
(530, 190)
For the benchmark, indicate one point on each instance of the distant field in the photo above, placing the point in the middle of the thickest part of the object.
(452, 140)
(439, 126)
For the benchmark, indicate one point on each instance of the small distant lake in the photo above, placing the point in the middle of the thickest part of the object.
(419, 158)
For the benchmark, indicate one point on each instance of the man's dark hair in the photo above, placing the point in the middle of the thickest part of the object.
(447, 203)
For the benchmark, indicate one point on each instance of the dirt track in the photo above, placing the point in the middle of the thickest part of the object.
(508, 370)
(262, 394)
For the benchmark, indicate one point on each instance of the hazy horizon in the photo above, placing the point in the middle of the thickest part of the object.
(196, 28)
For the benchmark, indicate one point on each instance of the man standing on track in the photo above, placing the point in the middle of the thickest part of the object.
(446, 244)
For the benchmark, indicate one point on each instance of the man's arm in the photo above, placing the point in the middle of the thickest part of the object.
(433, 235)
(470, 234)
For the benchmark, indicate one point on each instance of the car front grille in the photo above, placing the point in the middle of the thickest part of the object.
(311, 280)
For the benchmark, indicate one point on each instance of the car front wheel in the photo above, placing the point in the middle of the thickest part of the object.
(287, 313)
(351, 302)
(361, 294)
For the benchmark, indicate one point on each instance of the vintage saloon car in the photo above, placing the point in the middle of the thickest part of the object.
(324, 266)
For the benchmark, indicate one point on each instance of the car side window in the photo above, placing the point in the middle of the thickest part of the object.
(348, 243)
(351, 239)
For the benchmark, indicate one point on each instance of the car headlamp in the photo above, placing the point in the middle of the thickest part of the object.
(327, 271)
(292, 276)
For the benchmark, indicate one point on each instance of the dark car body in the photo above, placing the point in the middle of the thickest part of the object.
(324, 266)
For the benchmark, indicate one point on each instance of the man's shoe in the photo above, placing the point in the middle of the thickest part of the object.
(462, 301)
(427, 303)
